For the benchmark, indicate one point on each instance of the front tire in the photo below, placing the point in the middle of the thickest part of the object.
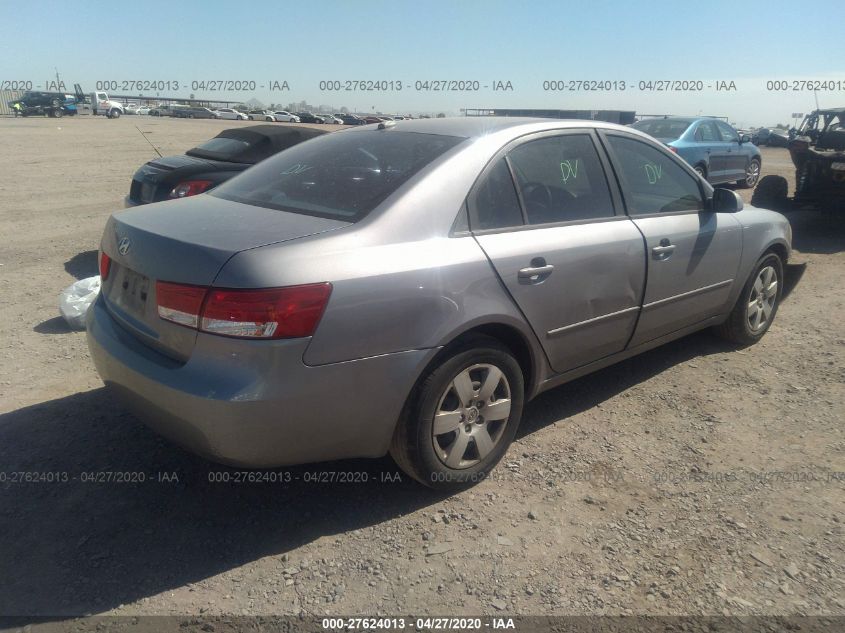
(462, 416)
(701, 170)
(755, 309)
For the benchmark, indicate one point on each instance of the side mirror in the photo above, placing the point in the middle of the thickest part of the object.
(725, 201)
(745, 138)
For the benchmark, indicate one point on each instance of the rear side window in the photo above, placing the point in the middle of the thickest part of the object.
(342, 176)
(494, 204)
(561, 179)
(706, 132)
(651, 181)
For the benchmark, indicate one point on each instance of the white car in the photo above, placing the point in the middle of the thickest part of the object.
(143, 110)
(230, 114)
(130, 108)
(330, 118)
(285, 117)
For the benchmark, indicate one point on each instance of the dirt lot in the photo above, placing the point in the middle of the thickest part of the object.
(695, 479)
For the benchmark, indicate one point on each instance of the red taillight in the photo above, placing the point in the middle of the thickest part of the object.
(290, 312)
(274, 313)
(190, 188)
(180, 304)
(105, 266)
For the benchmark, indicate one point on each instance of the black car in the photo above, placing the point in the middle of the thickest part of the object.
(212, 163)
(54, 104)
(351, 119)
(308, 117)
(773, 137)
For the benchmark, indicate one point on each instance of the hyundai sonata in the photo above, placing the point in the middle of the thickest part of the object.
(407, 287)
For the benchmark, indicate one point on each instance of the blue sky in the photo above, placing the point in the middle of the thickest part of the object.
(486, 40)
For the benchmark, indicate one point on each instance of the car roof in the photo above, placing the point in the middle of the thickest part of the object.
(474, 127)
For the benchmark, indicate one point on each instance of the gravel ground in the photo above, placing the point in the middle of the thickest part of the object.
(694, 479)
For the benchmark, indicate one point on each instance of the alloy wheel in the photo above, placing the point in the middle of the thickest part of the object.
(761, 301)
(471, 416)
(752, 173)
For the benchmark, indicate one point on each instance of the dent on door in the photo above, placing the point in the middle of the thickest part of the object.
(578, 286)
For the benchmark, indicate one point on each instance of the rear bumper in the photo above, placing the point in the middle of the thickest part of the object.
(255, 403)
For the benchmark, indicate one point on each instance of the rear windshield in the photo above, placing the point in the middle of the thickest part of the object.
(662, 128)
(219, 148)
(341, 176)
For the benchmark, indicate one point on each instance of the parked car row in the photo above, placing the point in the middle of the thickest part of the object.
(182, 111)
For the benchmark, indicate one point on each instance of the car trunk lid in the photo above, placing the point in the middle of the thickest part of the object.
(186, 242)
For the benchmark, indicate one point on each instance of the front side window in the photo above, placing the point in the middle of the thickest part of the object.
(337, 176)
(727, 133)
(561, 179)
(652, 181)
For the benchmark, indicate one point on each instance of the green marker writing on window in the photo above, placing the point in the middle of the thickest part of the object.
(569, 169)
(653, 172)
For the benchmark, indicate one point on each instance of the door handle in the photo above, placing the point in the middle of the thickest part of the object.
(536, 273)
(664, 250)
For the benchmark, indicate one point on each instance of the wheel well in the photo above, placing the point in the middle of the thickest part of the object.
(779, 250)
(512, 339)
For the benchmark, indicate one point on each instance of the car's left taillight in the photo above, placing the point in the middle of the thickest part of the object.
(267, 313)
(190, 188)
(104, 264)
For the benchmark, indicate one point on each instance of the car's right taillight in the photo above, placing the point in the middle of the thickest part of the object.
(267, 313)
(104, 264)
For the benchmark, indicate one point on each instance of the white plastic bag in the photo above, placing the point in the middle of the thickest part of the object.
(76, 299)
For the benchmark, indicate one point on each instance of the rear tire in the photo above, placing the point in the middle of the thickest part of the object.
(58, 113)
(771, 193)
(757, 305)
(425, 444)
(701, 170)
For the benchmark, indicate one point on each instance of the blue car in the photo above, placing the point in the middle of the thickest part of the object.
(712, 147)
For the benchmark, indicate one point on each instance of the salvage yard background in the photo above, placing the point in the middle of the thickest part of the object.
(696, 478)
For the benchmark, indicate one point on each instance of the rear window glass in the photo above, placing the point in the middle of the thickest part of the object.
(219, 148)
(662, 128)
(341, 176)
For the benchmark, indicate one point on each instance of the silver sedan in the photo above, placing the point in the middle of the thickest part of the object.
(408, 286)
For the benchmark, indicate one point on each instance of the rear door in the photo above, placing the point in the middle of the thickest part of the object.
(545, 216)
(693, 254)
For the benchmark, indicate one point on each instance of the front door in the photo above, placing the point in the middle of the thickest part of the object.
(736, 158)
(574, 266)
(693, 254)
